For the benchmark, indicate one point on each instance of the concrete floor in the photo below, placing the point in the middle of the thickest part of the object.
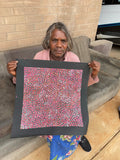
(103, 132)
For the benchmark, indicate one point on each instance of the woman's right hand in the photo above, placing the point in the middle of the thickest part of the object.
(11, 67)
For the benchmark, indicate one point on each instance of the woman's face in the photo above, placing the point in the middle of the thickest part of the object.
(58, 44)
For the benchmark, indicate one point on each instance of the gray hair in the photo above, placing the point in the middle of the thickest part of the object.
(60, 26)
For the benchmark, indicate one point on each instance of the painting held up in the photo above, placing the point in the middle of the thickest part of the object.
(51, 98)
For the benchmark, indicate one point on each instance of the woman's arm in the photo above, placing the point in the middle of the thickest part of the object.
(11, 67)
(93, 78)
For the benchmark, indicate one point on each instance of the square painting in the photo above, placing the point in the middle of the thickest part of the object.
(51, 98)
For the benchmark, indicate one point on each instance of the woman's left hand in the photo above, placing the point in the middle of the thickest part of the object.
(95, 68)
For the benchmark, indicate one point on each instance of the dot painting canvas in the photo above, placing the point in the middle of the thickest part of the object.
(51, 98)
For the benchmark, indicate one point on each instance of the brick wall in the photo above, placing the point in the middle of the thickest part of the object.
(24, 22)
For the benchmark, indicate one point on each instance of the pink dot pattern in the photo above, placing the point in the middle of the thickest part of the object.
(51, 98)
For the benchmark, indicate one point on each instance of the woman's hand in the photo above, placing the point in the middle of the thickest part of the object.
(11, 67)
(95, 68)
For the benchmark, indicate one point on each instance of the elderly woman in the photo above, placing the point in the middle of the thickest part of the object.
(57, 46)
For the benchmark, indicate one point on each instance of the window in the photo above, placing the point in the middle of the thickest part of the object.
(107, 2)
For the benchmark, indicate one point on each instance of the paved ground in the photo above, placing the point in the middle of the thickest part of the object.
(115, 52)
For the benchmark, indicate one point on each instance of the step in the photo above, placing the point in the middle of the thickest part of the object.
(17, 148)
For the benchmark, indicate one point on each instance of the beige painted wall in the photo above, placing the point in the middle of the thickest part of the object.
(24, 22)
